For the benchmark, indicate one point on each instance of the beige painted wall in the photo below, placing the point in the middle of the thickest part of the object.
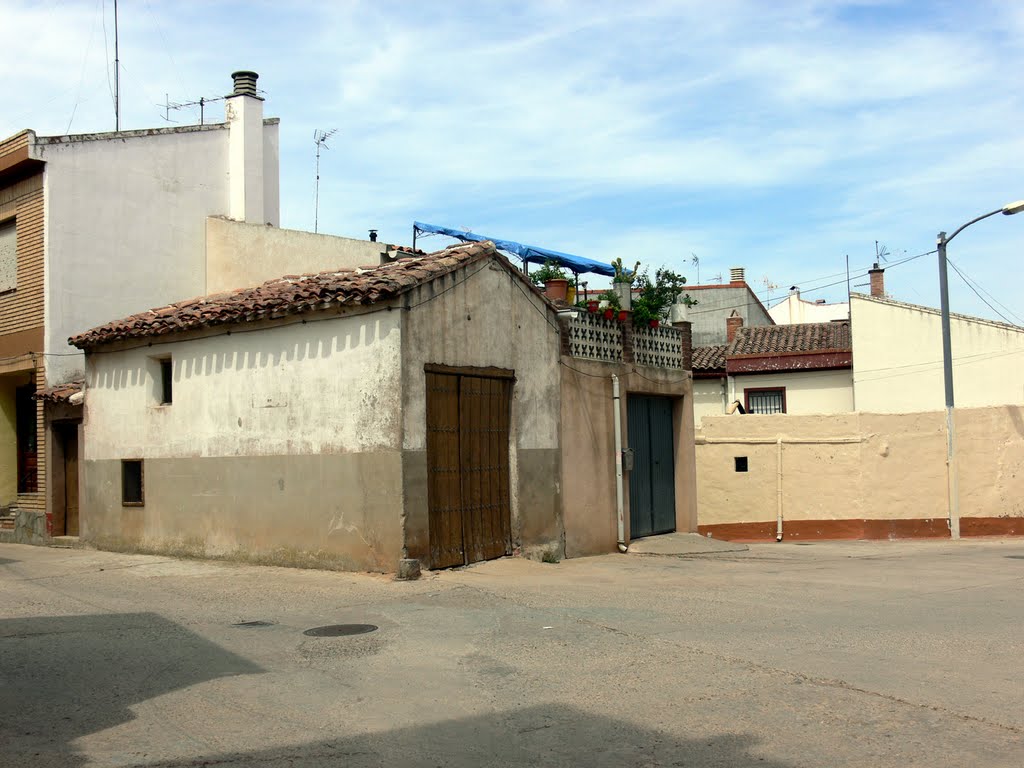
(588, 450)
(8, 441)
(281, 445)
(897, 358)
(807, 392)
(239, 255)
(483, 316)
(895, 470)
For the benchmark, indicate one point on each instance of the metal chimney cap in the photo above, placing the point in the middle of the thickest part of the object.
(245, 83)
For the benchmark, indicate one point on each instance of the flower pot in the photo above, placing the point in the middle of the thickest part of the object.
(624, 315)
(655, 323)
(592, 306)
(556, 290)
(609, 313)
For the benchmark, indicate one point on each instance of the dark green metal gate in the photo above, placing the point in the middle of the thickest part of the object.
(652, 489)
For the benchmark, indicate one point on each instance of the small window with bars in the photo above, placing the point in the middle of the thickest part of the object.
(766, 400)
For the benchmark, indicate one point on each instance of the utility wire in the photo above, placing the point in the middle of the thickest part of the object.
(969, 284)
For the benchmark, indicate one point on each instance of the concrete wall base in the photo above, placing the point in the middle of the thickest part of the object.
(29, 528)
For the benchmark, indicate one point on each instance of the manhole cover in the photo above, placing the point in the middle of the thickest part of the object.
(253, 624)
(340, 630)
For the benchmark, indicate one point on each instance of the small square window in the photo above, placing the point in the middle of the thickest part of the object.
(166, 381)
(741, 463)
(132, 486)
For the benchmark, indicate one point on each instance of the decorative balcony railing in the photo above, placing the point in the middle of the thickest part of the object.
(594, 338)
(589, 336)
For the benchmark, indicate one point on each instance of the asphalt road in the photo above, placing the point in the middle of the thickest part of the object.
(853, 654)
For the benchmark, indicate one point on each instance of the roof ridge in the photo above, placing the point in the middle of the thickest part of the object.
(292, 294)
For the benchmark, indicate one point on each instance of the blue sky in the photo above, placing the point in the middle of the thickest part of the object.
(778, 136)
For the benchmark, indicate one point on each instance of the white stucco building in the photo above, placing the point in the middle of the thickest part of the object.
(108, 224)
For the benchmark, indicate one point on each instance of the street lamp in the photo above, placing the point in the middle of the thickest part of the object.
(947, 364)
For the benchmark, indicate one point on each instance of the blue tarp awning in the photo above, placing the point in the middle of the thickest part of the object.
(528, 253)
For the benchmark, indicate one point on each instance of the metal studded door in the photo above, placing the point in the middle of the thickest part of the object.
(652, 492)
(468, 468)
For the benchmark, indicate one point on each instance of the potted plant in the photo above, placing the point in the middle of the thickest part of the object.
(608, 303)
(622, 282)
(655, 298)
(555, 280)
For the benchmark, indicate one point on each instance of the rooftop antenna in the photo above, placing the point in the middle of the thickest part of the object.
(881, 253)
(117, 77)
(769, 286)
(696, 263)
(717, 278)
(320, 139)
(176, 105)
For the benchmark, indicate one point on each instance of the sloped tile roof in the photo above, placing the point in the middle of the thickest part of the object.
(289, 295)
(767, 340)
(709, 358)
(59, 394)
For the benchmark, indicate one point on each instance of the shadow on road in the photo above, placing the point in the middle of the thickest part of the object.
(62, 677)
(544, 735)
(7, 561)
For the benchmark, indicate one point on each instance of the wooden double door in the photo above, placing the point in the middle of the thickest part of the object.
(468, 419)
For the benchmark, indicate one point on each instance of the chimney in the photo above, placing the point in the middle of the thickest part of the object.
(686, 341)
(732, 324)
(244, 115)
(373, 235)
(877, 275)
(794, 291)
(737, 275)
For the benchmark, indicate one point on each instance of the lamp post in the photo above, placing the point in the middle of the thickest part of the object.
(952, 479)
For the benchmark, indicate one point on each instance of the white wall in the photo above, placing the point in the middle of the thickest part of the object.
(807, 392)
(126, 225)
(321, 387)
(795, 310)
(897, 358)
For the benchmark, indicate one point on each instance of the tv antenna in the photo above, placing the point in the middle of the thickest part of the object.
(320, 139)
(117, 76)
(769, 286)
(696, 262)
(176, 105)
(881, 253)
(717, 278)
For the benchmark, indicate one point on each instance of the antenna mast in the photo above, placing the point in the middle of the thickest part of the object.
(320, 139)
(117, 77)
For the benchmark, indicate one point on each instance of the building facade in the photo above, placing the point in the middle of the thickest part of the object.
(96, 225)
(353, 419)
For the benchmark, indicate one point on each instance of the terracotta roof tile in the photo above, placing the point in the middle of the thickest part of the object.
(59, 394)
(762, 340)
(289, 295)
(709, 358)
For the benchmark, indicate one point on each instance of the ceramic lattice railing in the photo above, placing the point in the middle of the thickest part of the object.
(594, 338)
(658, 347)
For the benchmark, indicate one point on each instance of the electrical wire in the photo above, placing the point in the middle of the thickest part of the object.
(969, 284)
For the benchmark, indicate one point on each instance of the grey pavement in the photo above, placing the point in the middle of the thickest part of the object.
(837, 654)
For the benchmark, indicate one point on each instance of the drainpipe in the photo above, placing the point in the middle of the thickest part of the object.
(778, 489)
(617, 415)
